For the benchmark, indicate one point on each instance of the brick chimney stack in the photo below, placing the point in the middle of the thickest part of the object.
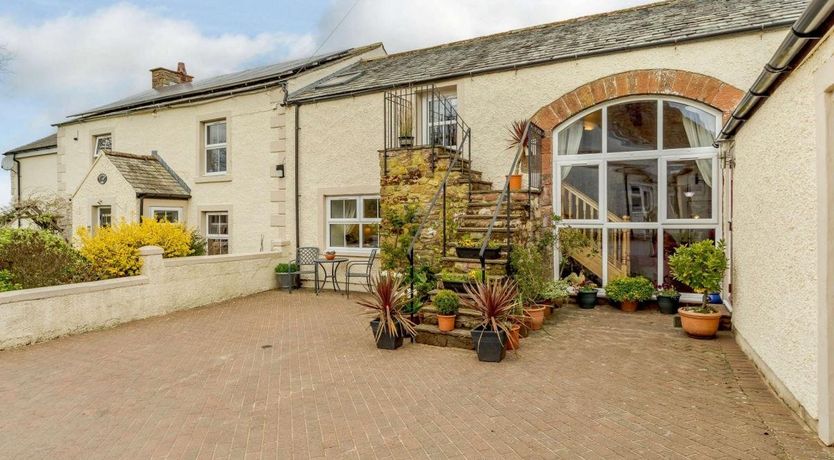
(161, 76)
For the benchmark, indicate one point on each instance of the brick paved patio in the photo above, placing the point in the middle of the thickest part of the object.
(280, 376)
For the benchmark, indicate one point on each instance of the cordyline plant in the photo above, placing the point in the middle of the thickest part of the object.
(388, 298)
(516, 130)
(496, 301)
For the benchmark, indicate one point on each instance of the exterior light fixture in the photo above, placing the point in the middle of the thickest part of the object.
(279, 171)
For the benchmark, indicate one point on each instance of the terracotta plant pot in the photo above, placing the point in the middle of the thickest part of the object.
(536, 314)
(329, 255)
(699, 325)
(629, 306)
(515, 182)
(446, 323)
(514, 339)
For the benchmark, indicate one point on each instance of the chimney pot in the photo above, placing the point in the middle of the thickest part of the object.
(161, 76)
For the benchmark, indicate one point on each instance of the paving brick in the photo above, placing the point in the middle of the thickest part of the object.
(199, 384)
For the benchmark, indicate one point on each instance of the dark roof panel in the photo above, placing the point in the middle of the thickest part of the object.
(648, 25)
(148, 176)
(44, 143)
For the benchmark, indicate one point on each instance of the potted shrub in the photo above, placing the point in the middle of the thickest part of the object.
(668, 299)
(390, 323)
(555, 291)
(701, 266)
(530, 265)
(629, 291)
(447, 304)
(406, 130)
(467, 248)
(516, 130)
(495, 301)
(288, 277)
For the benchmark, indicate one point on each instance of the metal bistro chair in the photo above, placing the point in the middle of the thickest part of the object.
(306, 257)
(360, 269)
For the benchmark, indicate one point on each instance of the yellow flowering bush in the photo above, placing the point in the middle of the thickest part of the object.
(113, 251)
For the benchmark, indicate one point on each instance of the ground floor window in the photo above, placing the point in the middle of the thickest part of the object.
(171, 215)
(353, 222)
(104, 216)
(635, 178)
(217, 233)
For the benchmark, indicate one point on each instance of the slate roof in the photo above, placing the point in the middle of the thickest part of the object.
(149, 175)
(259, 75)
(644, 26)
(47, 142)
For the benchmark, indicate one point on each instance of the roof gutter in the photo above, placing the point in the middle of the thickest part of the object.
(807, 30)
(536, 62)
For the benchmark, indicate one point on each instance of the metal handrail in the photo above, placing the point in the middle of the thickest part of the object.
(504, 194)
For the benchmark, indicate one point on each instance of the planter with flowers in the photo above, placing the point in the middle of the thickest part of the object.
(390, 324)
(668, 299)
(701, 266)
(468, 248)
(629, 291)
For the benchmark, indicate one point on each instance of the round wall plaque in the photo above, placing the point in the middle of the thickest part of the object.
(102, 178)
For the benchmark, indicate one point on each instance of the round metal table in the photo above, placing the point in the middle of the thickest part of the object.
(334, 267)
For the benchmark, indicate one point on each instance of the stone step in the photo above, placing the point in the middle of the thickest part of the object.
(466, 319)
(429, 334)
(478, 261)
(484, 221)
(491, 196)
(481, 231)
(488, 211)
(477, 185)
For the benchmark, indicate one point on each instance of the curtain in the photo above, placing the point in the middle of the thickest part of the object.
(569, 140)
(698, 136)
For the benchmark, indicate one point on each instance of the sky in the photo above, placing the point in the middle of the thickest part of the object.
(67, 56)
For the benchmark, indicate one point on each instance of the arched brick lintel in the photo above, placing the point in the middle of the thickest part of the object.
(650, 82)
(697, 87)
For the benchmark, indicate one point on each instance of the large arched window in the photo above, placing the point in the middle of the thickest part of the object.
(636, 177)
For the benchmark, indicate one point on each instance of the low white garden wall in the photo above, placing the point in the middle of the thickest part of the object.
(165, 285)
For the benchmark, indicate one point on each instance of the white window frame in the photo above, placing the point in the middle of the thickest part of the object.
(359, 220)
(218, 236)
(154, 209)
(663, 157)
(207, 147)
(96, 152)
(99, 209)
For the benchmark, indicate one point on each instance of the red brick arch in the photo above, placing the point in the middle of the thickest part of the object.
(650, 82)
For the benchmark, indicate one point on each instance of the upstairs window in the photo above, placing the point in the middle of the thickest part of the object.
(102, 143)
(215, 151)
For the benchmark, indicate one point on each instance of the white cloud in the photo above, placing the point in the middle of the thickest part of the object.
(82, 60)
(404, 24)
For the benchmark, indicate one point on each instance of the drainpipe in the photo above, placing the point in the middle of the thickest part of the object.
(141, 207)
(295, 178)
(19, 193)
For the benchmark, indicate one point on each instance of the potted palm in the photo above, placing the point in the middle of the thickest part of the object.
(288, 277)
(390, 323)
(668, 299)
(495, 301)
(517, 137)
(406, 130)
(700, 266)
(447, 304)
(629, 291)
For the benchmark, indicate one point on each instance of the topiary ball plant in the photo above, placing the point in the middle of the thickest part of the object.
(700, 266)
(630, 288)
(446, 302)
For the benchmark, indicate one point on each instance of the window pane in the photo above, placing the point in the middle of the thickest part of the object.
(581, 252)
(370, 235)
(104, 217)
(103, 144)
(580, 192)
(674, 238)
(343, 209)
(582, 136)
(632, 191)
(166, 216)
(216, 160)
(352, 235)
(337, 235)
(216, 133)
(632, 126)
(632, 252)
(218, 224)
(685, 126)
(444, 134)
(370, 208)
(689, 189)
(217, 246)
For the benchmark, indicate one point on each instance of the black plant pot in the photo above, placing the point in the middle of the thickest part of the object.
(668, 305)
(289, 280)
(586, 299)
(386, 340)
(406, 141)
(455, 286)
(472, 253)
(490, 345)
